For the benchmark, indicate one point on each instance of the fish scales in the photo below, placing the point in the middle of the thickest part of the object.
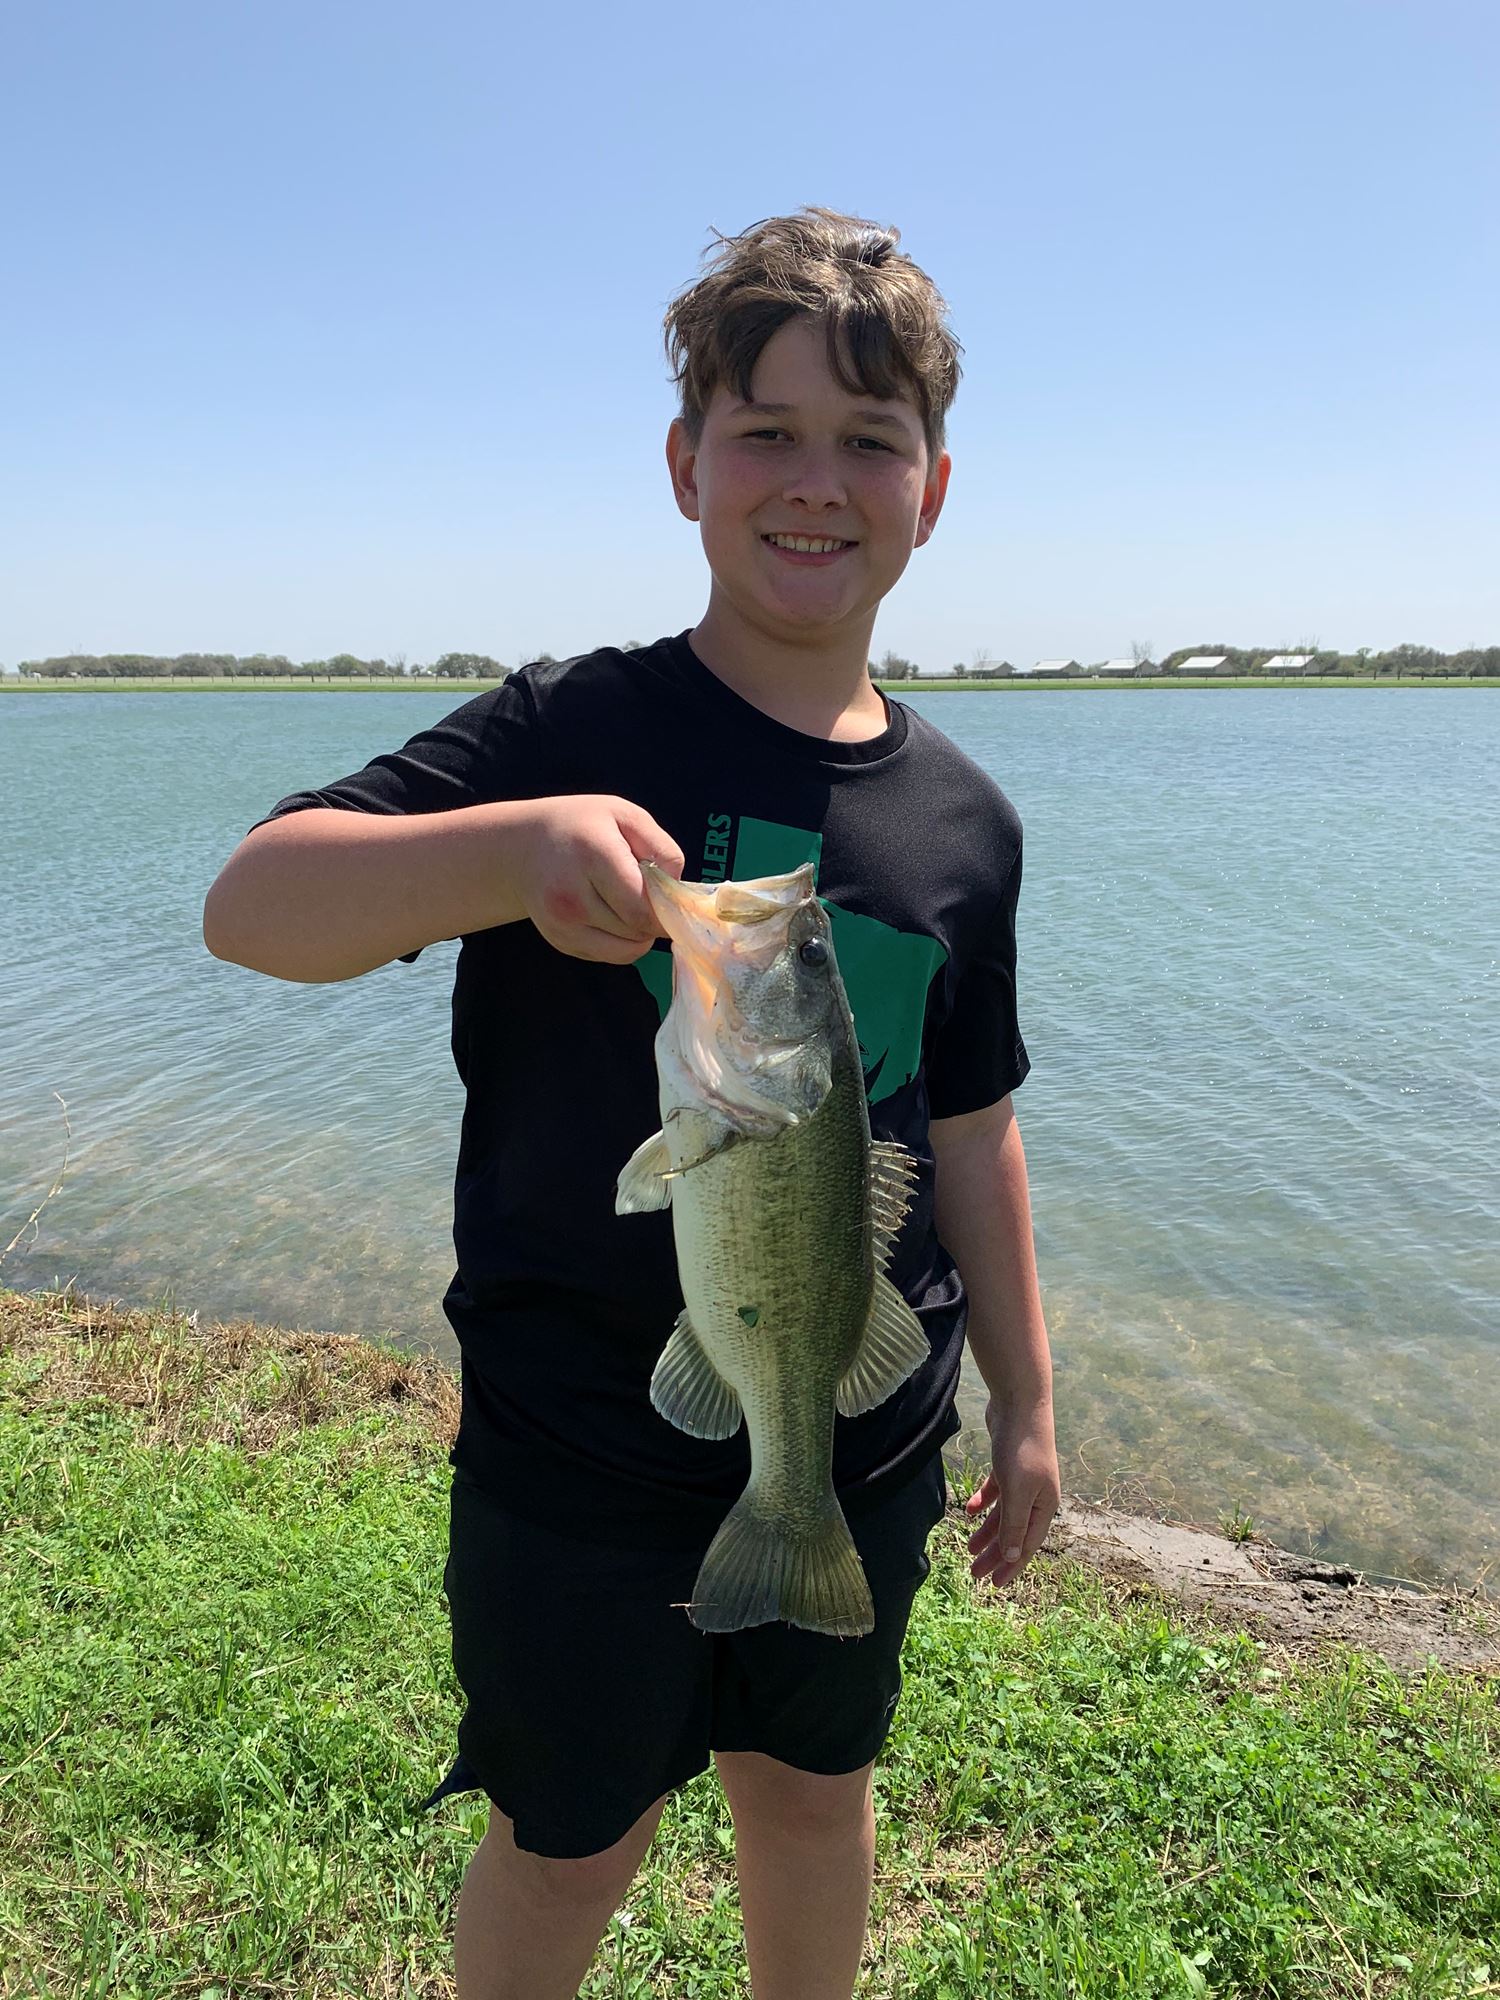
(784, 1217)
(782, 1227)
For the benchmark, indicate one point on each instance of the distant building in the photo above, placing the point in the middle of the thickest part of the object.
(1202, 663)
(1049, 667)
(1284, 663)
(1114, 667)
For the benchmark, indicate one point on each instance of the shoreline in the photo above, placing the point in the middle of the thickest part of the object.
(934, 683)
(233, 1690)
(1294, 1601)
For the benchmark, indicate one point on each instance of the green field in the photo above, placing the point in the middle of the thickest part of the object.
(227, 1681)
(238, 684)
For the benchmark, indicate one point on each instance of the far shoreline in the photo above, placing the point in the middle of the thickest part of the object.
(925, 683)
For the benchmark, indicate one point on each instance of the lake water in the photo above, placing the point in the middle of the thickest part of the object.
(1258, 941)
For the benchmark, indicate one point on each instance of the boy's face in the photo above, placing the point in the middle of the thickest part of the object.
(806, 460)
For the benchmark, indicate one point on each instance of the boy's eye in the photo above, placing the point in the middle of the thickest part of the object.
(876, 444)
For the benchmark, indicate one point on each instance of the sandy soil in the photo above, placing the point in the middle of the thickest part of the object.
(1297, 1601)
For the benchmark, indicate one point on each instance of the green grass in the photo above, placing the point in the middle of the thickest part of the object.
(227, 1680)
(237, 684)
(934, 681)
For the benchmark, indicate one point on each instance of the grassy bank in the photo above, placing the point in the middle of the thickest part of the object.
(227, 1681)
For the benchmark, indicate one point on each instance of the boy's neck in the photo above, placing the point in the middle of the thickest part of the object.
(820, 686)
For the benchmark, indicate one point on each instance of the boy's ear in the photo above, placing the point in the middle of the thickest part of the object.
(933, 495)
(682, 458)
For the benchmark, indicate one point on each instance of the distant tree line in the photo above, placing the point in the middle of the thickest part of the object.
(255, 666)
(1408, 660)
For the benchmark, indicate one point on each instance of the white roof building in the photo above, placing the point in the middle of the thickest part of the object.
(1114, 667)
(1046, 667)
(1284, 663)
(1202, 663)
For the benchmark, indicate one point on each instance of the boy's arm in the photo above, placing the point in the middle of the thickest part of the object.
(327, 893)
(982, 1209)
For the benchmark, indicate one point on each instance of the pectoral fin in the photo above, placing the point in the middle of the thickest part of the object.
(690, 1392)
(894, 1346)
(643, 1184)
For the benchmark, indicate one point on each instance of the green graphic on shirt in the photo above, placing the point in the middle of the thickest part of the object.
(761, 847)
(656, 972)
(886, 972)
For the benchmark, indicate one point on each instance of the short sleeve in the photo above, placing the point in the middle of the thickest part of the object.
(978, 1055)
(486, 749)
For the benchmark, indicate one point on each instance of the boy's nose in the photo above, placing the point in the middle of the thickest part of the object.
(816, 481)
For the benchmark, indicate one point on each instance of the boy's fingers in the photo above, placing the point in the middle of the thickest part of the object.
(624, 907)
(1002, 1535)
(646, 840)
(617, 878)
(583, 909)
(588, 928)
(611, 895)
(998, 1552)
(626, 939)
(610, 947)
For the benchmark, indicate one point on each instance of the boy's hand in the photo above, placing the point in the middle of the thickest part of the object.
(580, 875)
(1022, 1491)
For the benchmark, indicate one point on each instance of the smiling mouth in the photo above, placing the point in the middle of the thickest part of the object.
(809, 545)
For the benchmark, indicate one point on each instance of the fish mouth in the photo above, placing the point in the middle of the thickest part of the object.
(721, 931)
(716, 927)
(711, 921)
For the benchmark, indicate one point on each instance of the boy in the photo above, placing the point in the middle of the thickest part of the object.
(815, 373)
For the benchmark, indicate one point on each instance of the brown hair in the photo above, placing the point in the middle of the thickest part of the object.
(883, 315)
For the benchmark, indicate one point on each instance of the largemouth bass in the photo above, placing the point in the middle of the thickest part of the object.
(785, 1215)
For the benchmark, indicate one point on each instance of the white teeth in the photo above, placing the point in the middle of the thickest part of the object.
(807, 544)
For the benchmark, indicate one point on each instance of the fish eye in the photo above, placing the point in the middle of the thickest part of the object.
(813, 951)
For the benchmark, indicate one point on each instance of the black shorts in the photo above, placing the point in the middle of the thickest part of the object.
(590, 1694)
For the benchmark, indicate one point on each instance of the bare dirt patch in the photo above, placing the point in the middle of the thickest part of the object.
(1299, 1602)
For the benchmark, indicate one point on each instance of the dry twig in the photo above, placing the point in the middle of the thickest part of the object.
(62, 1170)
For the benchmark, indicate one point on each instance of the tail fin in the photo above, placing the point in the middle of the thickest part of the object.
(761, 1567)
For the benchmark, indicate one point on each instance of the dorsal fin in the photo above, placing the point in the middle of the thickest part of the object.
(893, 1176)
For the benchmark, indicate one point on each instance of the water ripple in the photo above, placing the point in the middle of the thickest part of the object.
(1258, 981)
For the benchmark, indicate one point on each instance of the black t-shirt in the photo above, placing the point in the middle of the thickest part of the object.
(560, 1306)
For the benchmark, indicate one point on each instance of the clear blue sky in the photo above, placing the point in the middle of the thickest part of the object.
(338, 326)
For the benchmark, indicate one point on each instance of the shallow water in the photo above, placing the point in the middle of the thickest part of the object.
(1258, 983)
